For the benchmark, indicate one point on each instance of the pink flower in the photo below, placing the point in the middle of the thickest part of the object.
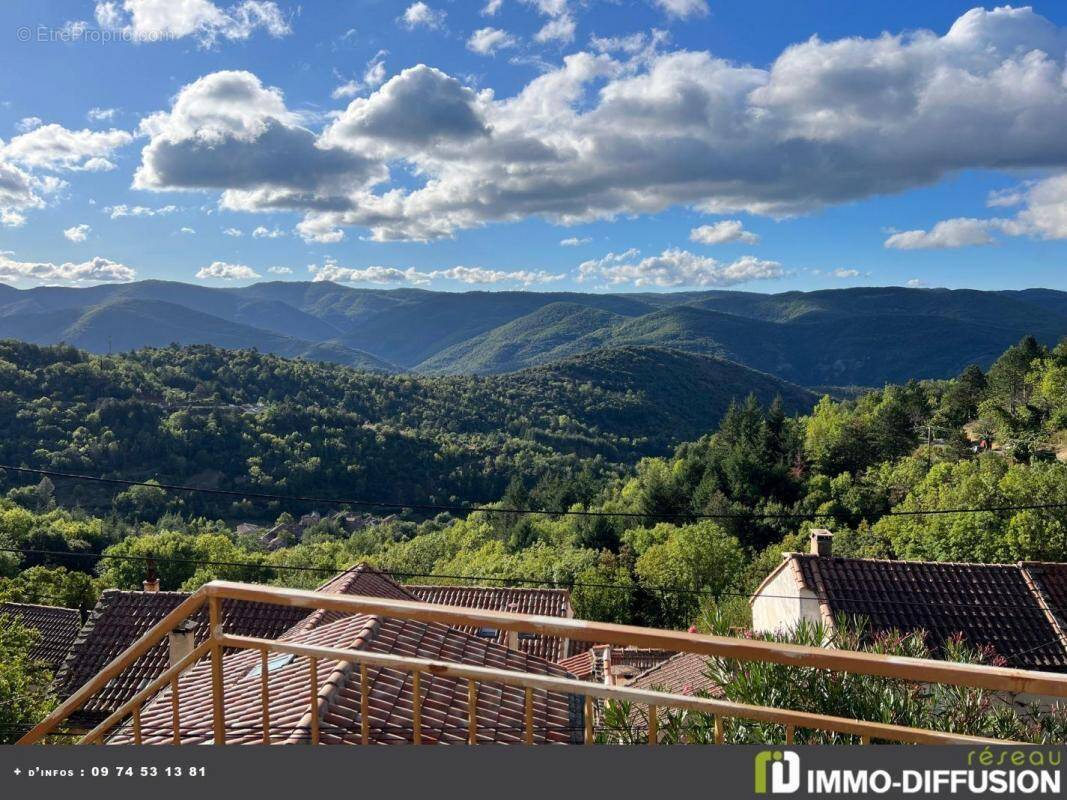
(692, 629)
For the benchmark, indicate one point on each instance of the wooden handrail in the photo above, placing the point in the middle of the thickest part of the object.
(922, 670)
(182, 611)
(911, 669)
(474, 674)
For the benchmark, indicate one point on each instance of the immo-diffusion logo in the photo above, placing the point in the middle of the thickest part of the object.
(783, 767)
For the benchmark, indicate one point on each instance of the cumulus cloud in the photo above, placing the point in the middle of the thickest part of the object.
(421, 15)
(54, 147)
(279, 270)
(598, 136)
(331, 271)
(683, 9)
(263, 232)
(227, 131)
(846, 273)
(227, 272)
(160, 20)
(729, 230)
(676, 267)
(575, 241)
(949, 233)
(234, 232)
(560, 29)
(491, 7)
(486, 41)
(95, 270)
(186, 230)
(77, 233)
(19, 191)
(122, 210)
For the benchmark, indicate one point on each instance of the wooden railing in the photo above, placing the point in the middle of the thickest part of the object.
(998, 679)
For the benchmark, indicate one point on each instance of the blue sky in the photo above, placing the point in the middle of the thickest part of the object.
(600, 145)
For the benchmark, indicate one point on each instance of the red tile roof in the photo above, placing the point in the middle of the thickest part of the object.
(991, 605)
(500, 709)
(544, 602)
(57, 628)
(121, 617)
(682, 673)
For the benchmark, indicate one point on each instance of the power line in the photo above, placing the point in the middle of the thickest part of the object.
(809, 515)
(635, 587)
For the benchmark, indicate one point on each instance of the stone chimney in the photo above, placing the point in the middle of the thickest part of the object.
(513, 636)
(822, 542)
(181, 641)
(151, 578)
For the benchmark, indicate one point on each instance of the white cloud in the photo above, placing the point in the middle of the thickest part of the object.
(421, 15)
(597, 137)
(19, 191)
(161, 20)
(491, 7)
(77, 233)
(575, 241)
(122, 210)
(331, 271)
(186, 230)
(54, 147)
(235, 232)
(560, 29)
(95, 270)
(227, 131)
(27, 124)
(949, 233)
(373, 77)
(96, 114)
(729, 230)
(846, 273)
(263, 232)
(683, 9)
(917, 283)
(676, 267)
(279, 270)
(227, 272)
(486, 41)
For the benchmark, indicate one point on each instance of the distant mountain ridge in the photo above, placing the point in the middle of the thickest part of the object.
(864, 336)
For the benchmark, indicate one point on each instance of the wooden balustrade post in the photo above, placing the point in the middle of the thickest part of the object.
(175, 712)
(218, 701)
(588, 719)
(653, 725)
(264, 692)
(364, 704)
(472, 711)
(529, 715)
(416, 707)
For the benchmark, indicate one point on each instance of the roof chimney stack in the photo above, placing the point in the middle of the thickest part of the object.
(822, 542)
(151, 578)
(180, 641)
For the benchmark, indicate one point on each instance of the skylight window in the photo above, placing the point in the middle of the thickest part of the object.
(274, 663)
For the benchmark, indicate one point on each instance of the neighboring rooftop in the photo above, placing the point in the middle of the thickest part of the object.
(520, 600)
(121, 617)
(58, 628)
(444, 711)
(1018, 610)
(682, 673)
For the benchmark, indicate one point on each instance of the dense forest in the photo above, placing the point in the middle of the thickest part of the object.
(983, 439)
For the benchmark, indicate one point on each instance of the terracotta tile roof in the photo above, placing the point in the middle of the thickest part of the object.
(500, 710)
(58, 628)
(991, 605)
(682, 673)
(582, 666)
(121, 617)
(544, 602)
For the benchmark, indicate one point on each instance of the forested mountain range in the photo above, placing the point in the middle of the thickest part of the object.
(251, 420)
(861, 336)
